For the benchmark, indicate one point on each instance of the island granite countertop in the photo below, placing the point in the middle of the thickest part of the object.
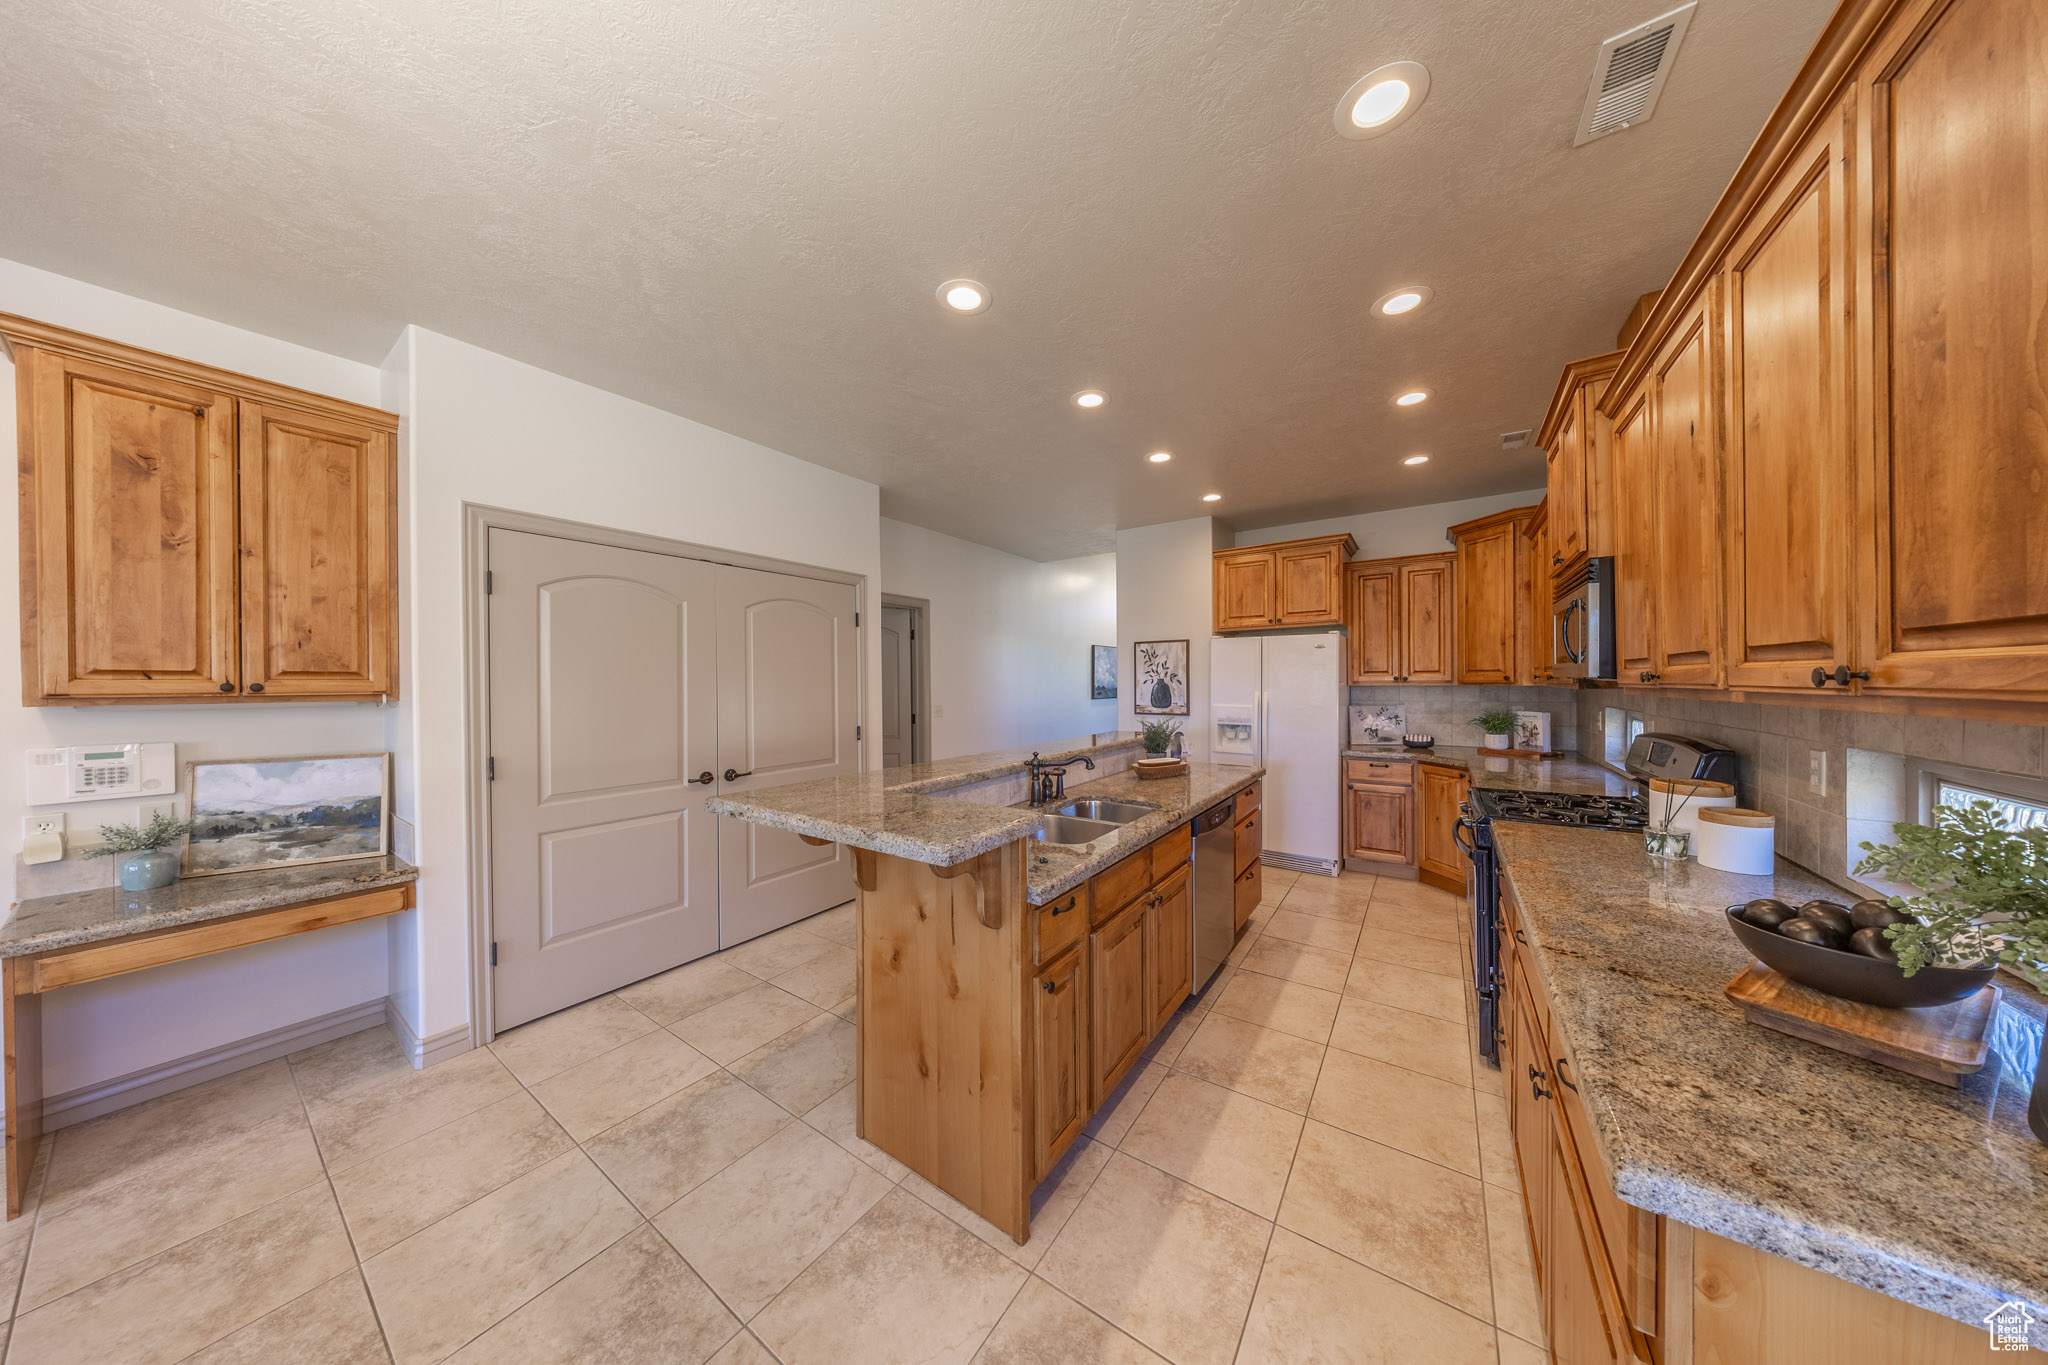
(75, 917)
(1932, 1195)
(1491, 769)
(918, 812)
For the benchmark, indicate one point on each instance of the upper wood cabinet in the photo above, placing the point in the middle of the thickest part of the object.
(1684, 425)
(1791, 495)
(1635, 541)
(1953, 141)
(193, 535)
(1399, 613)
(1290, 583)
(1542, 651)
(1578, 477)
(1493, 595)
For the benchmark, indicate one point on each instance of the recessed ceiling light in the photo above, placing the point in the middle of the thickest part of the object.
(1406, 299)
(1416, 459)
(1090, 398)
(1160, 456)
(1212, 497)
(964, 296)
(1411, 398)
(1382, 99)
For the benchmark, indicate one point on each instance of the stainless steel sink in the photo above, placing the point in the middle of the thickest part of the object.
(1114, 812)
(1068, 829)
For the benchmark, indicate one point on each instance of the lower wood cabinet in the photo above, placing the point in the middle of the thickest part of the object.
(1059, 1052)
(1119, 1021)
(1438, 859)
(1170, 945)
(1376, 822)
(1250, 890)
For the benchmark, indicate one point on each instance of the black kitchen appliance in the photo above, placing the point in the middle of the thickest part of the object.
(1650, 755)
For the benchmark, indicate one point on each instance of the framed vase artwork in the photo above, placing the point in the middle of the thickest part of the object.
(1532, 731)
(1102, 672)
(1161, 679)
(266, 812)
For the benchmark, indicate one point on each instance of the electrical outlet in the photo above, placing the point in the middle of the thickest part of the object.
(1817, 771)
(33, 825)
(938, 713)
(151, 809)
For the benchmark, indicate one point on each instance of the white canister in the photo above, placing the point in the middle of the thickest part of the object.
(1731, 839)
(1687, 797)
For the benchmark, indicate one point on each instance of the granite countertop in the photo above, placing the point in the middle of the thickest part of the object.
(1933, 1195)
(1051, 870)
(76, 917)
(1566, 773)
(906, 811)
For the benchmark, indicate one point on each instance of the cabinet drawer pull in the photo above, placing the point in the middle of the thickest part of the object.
(1564, 1078)
(1062, 909)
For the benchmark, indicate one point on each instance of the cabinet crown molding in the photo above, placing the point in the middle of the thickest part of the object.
(1576, 374)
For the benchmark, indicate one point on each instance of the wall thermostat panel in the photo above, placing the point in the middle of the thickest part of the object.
(100, 772)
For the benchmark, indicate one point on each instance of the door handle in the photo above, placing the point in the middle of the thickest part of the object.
(707, 777)
(732, 776)
(1562, 1077)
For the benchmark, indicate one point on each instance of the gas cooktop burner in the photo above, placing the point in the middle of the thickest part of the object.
(1563, 808)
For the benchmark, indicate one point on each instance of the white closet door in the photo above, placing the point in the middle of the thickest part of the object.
(603, 715)
(898, 728)
(787, 710)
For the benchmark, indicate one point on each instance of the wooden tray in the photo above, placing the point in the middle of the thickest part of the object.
(1152, 772)
(1942, 1042)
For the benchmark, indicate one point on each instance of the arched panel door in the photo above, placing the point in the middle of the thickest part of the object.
(787, 712)
(603, 712)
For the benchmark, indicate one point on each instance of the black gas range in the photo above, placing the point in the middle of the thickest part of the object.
(1650, 755)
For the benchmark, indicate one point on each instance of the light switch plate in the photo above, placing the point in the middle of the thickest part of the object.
(1817, 771)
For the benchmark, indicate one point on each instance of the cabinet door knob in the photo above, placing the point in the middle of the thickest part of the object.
(227, 687)
(1047, 986)
(1647, 676)
(255, 687)
(1536, 1091)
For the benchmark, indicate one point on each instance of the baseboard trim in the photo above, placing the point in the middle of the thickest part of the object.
(104, 1097)
(429, 1051)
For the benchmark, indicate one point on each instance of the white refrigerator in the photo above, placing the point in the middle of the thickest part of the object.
(1279, 700)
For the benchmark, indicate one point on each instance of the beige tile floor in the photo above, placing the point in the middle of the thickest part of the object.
(1309, 1165)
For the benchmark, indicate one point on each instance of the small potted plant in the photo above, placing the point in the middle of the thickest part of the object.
(1983, 897)
(1499, 725)
(146, 859)
(1161, 736)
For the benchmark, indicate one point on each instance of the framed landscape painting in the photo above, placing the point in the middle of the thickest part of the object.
(1161, 686)
(266, 812)
(1101, 672)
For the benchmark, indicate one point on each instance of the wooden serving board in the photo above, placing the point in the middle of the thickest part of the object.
(1941, 1042)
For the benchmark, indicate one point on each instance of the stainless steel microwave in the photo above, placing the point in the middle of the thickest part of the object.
(1582, 622)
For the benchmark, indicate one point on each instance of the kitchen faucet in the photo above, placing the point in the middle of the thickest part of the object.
(1049, 778)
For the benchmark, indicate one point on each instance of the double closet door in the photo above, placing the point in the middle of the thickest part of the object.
(626, 687)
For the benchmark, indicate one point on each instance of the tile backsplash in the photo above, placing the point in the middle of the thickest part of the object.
(1447, 712)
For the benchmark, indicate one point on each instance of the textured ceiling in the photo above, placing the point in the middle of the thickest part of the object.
(739, 212)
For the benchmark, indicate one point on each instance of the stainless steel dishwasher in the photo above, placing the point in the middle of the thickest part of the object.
(1215, 887)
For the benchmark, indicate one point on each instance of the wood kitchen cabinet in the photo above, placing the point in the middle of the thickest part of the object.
(1439, 860)
(1059, 1056)
(1684, 428)
(1284, 585)
(1542, 651)
(1120, 1022)
(1578, 474)
(1379, 806)
(1170, 946)
(1635, 542)
(1494, 629)
(1399, 614)
(195, 535)
(1246, 845)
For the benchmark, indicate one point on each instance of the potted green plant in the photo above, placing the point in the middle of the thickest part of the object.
(1983, 897)
(1499, 725)
(1159, 737)
(148, 862)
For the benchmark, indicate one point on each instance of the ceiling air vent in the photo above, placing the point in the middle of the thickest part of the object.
(1628, 75)
(1515, 440)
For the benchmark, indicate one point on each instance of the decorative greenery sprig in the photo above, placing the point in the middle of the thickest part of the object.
(1499, 722)
(1984, 889)
(1159, 735)
(161, 832)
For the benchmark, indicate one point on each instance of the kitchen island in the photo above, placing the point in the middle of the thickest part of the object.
(1720, 1191)
(1007, 982)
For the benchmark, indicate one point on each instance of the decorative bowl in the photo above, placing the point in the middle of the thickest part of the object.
(1852, 976)
(1419, 741)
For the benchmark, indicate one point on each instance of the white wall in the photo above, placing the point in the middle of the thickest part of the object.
(110, 1028)
(1163, 592)
(1008, 638)
(488, 430)
(1402, 531)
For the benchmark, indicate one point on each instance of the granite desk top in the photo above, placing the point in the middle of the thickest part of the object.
(906, 811)
(76, 917)
(1051, 870)
(1935, 1196)
(1568, 773)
